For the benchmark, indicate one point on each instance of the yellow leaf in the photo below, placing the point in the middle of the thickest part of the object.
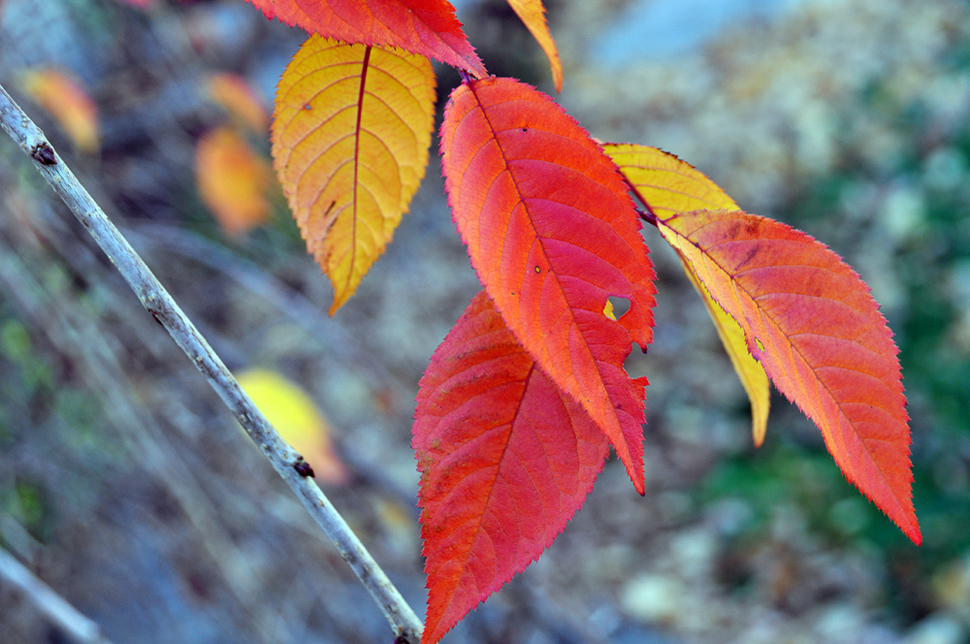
(351, 132)
(67, 103)
(533, 15)
(608, 311)
(233, 180)
(240, 100)
(291, 411)
(667, 186)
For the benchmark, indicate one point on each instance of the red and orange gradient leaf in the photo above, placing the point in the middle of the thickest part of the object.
(553, 234)
(505, 457)
(666, 185)
(351, 133)
(811, 322)
(533, 15)
(423, 27)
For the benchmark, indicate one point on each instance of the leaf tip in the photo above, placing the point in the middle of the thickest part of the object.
(914, 533)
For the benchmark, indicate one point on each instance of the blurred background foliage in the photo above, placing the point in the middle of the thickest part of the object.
(125, 486)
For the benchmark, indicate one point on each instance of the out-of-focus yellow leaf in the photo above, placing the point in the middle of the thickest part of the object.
(533, 15)
(291, 411)
(240, 100)
(233, 180)
(351, 132)
(67, 103)
(668, 186)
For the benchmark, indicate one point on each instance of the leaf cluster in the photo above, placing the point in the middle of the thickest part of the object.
(521, 402)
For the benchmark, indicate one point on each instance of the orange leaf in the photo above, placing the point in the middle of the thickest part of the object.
(810, 321)
(667, 185)
(70, 105)
(233, 180)
(351, 134)
(424, 27)
(294, 415)
(506, 459)
(239, 99)
(533, 15)
(553, 233)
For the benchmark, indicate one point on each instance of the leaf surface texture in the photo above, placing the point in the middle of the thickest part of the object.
(810, 321)
(506, 459)
(351, 133)
(552, 232)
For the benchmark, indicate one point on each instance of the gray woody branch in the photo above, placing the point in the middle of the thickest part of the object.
(55, 607)
(153, 296)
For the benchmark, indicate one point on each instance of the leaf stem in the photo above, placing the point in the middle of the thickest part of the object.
(648, 216)
(157, 301)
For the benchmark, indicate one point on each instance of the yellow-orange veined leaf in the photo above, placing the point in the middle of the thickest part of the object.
(233, 180)
(811, 322)
(68, 103)
(667, 185)
(239, 99)
(533, 15)
(351, 133)
(664, 183)
(294, 415)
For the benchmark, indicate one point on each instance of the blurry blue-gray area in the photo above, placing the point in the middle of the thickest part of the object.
(124, 485)
(659, 29)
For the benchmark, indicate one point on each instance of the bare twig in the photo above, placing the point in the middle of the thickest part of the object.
(154, 297)
(55, 607)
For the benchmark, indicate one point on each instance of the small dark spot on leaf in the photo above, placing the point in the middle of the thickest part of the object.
(538, 270)
(525, 130)
(307, 107)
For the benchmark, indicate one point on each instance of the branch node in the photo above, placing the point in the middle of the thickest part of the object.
(303, 468)
(43, 154)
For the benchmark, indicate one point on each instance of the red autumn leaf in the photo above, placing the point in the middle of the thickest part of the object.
(425, 27)
(506, 459)
(810, 321)
(552, 233)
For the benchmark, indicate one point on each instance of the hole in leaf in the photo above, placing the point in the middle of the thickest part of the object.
(620, 306)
